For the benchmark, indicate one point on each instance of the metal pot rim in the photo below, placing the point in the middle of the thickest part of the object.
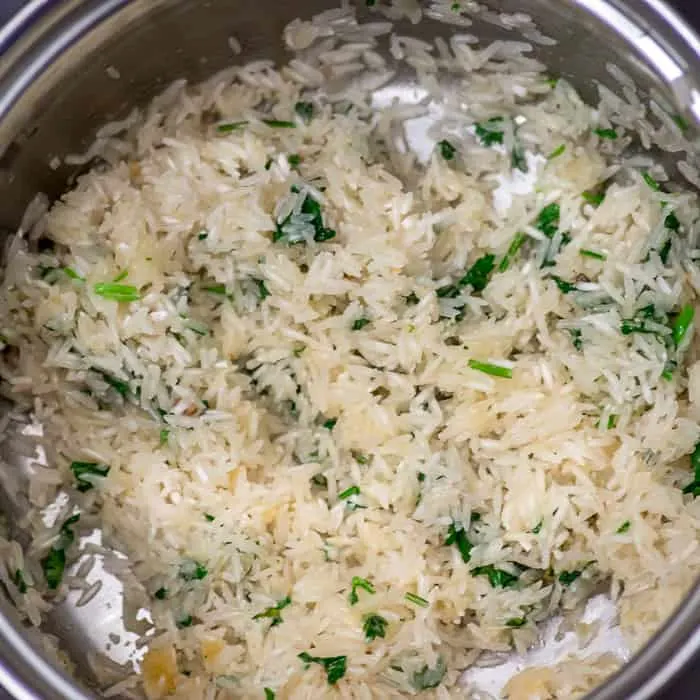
(58, 24)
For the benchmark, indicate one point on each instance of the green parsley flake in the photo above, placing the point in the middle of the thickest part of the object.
(609, 134)
(185, 621)
(263, 291)
(512, 251)
(559, 150)
(335, 666)
(53, 564)
(228, 127)
(279, 124)
(493, 370)
(592, 254)
(70, 272)
(568, 577)
(359, 323)
(352, 491)
(490, 132)
(548, 220)
(624, 527)
(457, 535)
(653, 184)
(164, 435)
(374, 626)
(694, 486)
(121, 276)
(219, 289)
(447, 150)
(117, 292)
(82, 469)
(305, 110)
(682, 323)
(416, 600)
(269, 694)
(593, 198)
(209, 517)
(516, 622)
(274, 613)
(564, 286)
(498, 578)
(330, 423)
(428, 677)
(20, 583)
(191, 570)
(294, 227)
(161, 594)
(362, 583)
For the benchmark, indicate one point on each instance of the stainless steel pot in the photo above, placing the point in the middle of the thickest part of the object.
(55, 92)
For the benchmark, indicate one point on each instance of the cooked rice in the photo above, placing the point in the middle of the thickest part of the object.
(281, 416)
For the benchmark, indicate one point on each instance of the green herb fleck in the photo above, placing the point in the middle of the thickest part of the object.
(490, 132)
(374, 626)
(538, 528)
(653, 184)
(457, 535)
(117, 292)
(121, 276)
(191, 570)
(335, 666)
(447, 150)
(493, 370)
(330, 423)
(219, 289)
(498, 578)
(516, 622)
(228, 127)
(478, 274)
(548, 220)
(556, 152)
(269, 694)
(53, 564)
(359, 323)
(161, 594)
(592, 254)
(305, 110)
(263, 291)
(568, 577)
(512, 251)
(320, 481)
(279, 124)
(576, 338)
(517, 157)
(203, 235)
(185, 621)
(362, 583)
(624, 527)
(294, 160)
(293, 226)
(351, 491)
(672, 223)
(209, 517)
(416, 600)
(682, 323)
(164, 435)
(274, 613)
(609, 134)
(593, 198)
(21, 584)
(564, 286)
(694, 486)
(81, 469)
(680, 122)
(70, 272)
(552, 82)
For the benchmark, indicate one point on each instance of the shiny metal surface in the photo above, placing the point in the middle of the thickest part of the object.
(54, 94)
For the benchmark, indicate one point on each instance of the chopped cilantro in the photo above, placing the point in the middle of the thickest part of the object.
(564, 286)
(557, 152)
(209, 517)
(269, 694)
(320, 481)
(682, 323)
(219, 289)
(20, 583)
(512, 251)
(412, 299)
(609, 134)
(592, 254)
(576, 338)
(490, 132)
(53, 564)
(593, 198)
(457, 535)
(295, 226)
(185, 621)
(121, 276)
(335, 666)
(478, 274)
(624, 527)
(228, 127)
(493, 370)
(374, 626)
(672, 223)
(203, 235)
(447, 150)
(653, 184)
(263, 291)
(362, 583)
(351, 491)
(82, 469)
(164, 435)
(416, 600)
(694, 486)
(568, 577)
(117, 292)
(498, 578)
(516, 622)
(279, 124)
(161, 594)
(294, 160)
(305, 110)
(548, 220)
(680, 122)
(274, 613)
(359, 323)
(538, 528)
(191, 570)
(330, 423)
